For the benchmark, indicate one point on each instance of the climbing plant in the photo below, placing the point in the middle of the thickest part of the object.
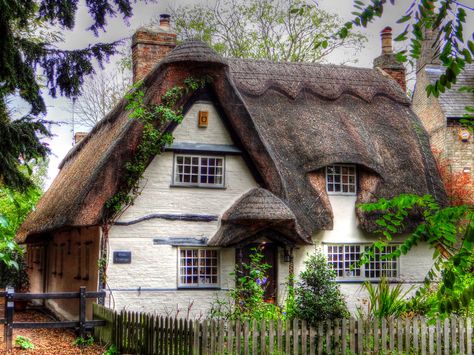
(448, 230)
(153, 117)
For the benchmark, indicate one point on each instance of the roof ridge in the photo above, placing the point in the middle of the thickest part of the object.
(311, 64)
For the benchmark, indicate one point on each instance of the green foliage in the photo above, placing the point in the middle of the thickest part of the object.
(267, 29)
(153, 118)
(64, 70)
(112, 350)
(248, 297)
(24, 343)
(15, 275)
(31, 60)
(19, 145)
(14, 207)
(384, 300)
(448, 230)
(445, 18)
(80, 341)
(317, 295)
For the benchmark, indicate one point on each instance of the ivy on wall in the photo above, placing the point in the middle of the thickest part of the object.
(153, 117)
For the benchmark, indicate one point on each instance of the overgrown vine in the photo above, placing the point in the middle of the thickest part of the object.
(153, 117)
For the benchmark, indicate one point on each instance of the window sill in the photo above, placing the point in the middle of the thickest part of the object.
(194, 288)
(199, 187)
(374, 281)
(341, 194)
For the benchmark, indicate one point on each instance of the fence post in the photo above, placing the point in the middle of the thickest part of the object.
(82, 311)
(9, 307)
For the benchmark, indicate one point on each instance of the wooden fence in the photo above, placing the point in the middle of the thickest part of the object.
(139, 333)
(82, 324)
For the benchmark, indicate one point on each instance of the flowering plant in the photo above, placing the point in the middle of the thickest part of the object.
(248, 297)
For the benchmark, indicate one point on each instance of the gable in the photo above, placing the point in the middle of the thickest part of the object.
(188, 131)
(160, 195)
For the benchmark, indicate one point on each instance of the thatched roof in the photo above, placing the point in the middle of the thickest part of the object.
(290, 119)
(255, 211)
(453, 102)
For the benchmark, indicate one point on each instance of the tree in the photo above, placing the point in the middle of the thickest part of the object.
(448, 230)
(14, 207)
(25, 57)
(100, 93)
(265, 29)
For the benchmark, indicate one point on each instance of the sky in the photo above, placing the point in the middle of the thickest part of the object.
(59, 109)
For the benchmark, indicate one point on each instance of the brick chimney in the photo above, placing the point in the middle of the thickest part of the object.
(150, 45)
(428, 51)
(387, 61)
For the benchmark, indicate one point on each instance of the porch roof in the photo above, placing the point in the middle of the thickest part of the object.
(256, 211)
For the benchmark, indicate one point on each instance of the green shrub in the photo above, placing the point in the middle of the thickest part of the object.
(24, 343)
(317, 295)
(112, 350)
(247, 299)
(16, 277)
(384, 300)
(80, 341)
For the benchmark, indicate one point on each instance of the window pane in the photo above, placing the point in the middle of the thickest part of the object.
(341, 179)
(198, 267)
(343, 259)
(196, 170)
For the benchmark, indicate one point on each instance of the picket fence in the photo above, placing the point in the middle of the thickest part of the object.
(140, 333)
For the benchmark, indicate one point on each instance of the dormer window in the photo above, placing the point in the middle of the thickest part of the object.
(199, 170)
(341, 179)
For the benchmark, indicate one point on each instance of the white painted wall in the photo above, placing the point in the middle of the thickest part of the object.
(413, 267)
(154, 267)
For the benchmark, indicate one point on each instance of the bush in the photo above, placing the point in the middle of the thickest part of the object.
(81, 342)
(24, 343)
(317, 295)
(384, 300)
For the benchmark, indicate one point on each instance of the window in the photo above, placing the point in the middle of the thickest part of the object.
(195, 170)
(379, 267)
(198, 268)
(341, 179)
(341, 257)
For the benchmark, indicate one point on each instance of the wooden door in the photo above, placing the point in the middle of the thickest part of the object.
(270, 252)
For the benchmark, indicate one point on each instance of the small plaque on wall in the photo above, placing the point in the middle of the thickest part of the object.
(203, 119)
(122, 257)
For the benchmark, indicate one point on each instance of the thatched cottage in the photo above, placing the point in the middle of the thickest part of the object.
(285, 154)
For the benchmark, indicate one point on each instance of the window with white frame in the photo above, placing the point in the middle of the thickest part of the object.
(197, 170)
(343, 259)
(198, 268)
(341, 179)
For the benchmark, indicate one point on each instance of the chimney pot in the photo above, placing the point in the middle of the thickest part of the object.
(387, 60)
(386, 36)
(165, 21)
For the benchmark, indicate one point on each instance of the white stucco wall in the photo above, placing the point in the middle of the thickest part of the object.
(149, 283)
(413, 267)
